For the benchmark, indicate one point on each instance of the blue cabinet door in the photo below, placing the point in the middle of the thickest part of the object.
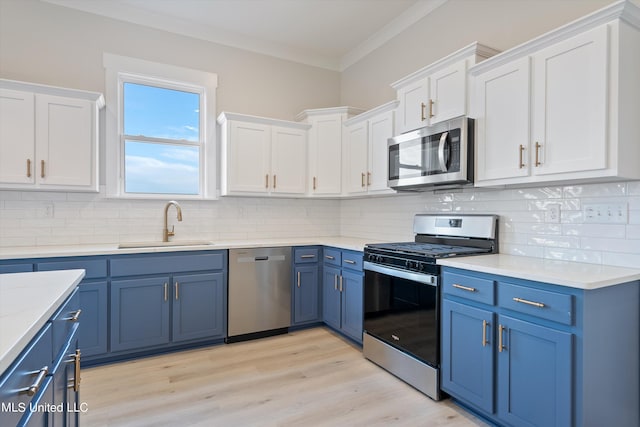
(468, 349)
(93, 320)
(331, 298)
(306, 307)
(198, 306)
(352, 304)
(534, 374)
(65, 392)
(139, 313)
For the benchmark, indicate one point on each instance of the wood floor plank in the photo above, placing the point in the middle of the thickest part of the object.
(305, 378)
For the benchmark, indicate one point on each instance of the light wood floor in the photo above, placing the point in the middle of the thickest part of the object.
(305, 378)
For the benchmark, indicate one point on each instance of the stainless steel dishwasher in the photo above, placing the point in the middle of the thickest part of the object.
(259, 292)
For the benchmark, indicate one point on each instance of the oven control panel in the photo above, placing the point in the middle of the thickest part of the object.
(402, 262)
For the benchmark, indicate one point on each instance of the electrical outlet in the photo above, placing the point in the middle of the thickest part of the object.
(552, 214)
(48, 210)
(606, 213)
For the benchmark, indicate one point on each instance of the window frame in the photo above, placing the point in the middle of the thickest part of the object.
(120, 70)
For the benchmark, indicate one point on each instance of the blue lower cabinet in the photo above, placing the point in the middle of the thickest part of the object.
(331, 297)
(139, 313)
(468, 349)
(93, 332)
(352, 302)
(342, 292)
(198, 300)
(306, 301)
(66, 385)
(534, 374)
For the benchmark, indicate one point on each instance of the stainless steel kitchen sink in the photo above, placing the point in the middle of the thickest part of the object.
(179, 243)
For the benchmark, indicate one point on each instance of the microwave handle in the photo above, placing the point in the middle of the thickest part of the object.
(441, 159)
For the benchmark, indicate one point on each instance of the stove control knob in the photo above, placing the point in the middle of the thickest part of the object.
(421, 266)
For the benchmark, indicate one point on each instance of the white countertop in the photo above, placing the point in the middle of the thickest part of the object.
(27, 301)
(352, 243)
(563, 273)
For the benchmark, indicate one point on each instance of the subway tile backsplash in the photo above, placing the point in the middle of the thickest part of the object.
(43, 218)
(523, 226)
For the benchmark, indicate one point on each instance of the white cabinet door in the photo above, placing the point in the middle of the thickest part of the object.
(65, 146)
(502, 106)
(356, 144)
(249, 155)
(570, 109)
(448, 93)
(412, 111)
(17, 138)
(325, 155)
(380, 130)
(288, 160)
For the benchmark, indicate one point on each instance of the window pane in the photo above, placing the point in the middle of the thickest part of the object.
(161, 168)
(161, 113)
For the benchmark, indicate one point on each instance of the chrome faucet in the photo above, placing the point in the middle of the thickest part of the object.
(166, 233)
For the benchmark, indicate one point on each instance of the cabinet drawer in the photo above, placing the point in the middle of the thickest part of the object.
(535, 302)
(332, 256)
(164, 264)
(23, 374)
(64, 322)
(95, 268)
(352, 260)
(16, 268)
(469, 287)
(305, 255)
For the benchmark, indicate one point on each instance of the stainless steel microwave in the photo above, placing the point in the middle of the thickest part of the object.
(439, 155)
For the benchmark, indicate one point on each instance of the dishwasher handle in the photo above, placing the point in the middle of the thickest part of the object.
(261, 258)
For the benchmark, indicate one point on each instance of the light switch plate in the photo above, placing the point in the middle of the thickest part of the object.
(606, 213)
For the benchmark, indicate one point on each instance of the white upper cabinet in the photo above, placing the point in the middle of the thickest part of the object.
(438, 91)
(48, 137)
(365, 151)
(262, 156)
(325, 149)
(564, 106)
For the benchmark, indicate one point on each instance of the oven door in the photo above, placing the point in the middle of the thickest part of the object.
(401, 308)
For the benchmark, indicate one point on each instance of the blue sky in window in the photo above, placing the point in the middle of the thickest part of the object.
(161, 113)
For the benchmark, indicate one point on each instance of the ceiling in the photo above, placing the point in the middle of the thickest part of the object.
(330, 34)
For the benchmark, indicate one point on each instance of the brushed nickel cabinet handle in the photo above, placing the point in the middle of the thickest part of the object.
(274, 181)
(362, 179)
(484, 333)
(330, 257)
(35, 386)
(368, 179)
(41, 168)
(28, 168)
(74, 315)
(176, 285)
(431, 108)
(464, 288)
(340, 283)
(422, 108)
(166, 291)
(533, 303)
(307, 256)
(538, 146)
(349, 261)
(298, 279)
(500, 346)
(266, 181)
(521, 164)
(314, 182)
(74, 383)
(335, 282)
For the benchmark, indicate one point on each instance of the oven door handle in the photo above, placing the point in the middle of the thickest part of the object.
(427, 279)
(441, 159)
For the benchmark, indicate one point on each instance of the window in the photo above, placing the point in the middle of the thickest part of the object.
(160, 132)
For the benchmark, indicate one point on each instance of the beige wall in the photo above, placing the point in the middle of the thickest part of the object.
(49, 44)
(500, 24)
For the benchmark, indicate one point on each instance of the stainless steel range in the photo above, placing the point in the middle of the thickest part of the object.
(402, 294)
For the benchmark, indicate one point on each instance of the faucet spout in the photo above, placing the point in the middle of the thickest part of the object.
(166, 233)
